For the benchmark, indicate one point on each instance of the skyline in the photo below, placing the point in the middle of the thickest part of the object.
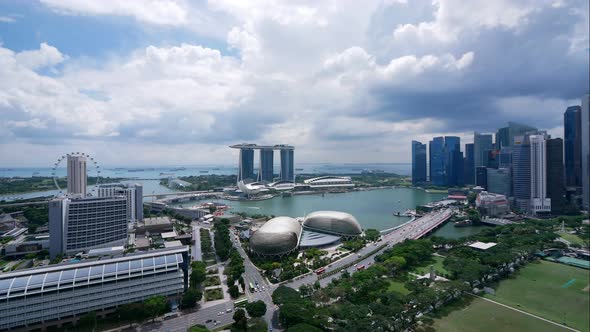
(176, 84)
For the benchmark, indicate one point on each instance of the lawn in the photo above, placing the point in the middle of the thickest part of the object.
(213, 294)
(553, 291)
(484, 316)
(398, 286)
(212, 281)
(437, 261)
(572, 238)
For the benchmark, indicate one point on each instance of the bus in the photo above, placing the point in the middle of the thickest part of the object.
(320, 270)
(241, 303)
(361, 267)
(251, 287)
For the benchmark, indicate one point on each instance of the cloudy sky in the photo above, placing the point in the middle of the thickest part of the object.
(163, 82)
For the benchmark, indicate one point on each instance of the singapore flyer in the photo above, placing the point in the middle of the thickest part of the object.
(92, 170)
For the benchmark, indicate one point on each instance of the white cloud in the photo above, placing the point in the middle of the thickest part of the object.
(7, 19)
(162, 12)
(45, 56)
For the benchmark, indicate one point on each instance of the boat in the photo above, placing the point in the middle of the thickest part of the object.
(136, 170)
(463, 223)
(177, 169)
(299, 169)
(203, 171)
(166, 174)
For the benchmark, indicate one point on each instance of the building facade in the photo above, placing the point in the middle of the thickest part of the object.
(51, 295)
(521, 173)
(133, 193)
(469, 165)
(77, 176)
(246, 167)
(266, 169)
(585, 117)
(482, 145)
(499, 181)
(77, 225)
(555, 175)
(453, 161)
(436, 152)
(572, 133)
(287, 165)
(481, 176)
(418, 162)
(540, 203)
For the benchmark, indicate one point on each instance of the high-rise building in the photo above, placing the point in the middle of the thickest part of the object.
(540, 203)
(521, 173)
(246, 167)
(437, 161)
(469, 165)
(418, 162)
(266, 169)
(77, 225)
(482, 145)
(453, 161)
(586, 151)
(133, 193)
(34, 299)
(481, 176)
(505, 157)
(499, 181)
(77, 175)
(503, 138)
(555, 179)
(572, 133)
(287, 165)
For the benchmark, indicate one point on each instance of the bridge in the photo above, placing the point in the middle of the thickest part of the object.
(497, 221)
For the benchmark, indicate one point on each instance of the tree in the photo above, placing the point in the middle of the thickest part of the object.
(198, 273)
(190, 298)
(156, 306)
(256, 309)
(257, 325)
(198, 328)
(88, 321)
(284, 294)
(302, 327)
(233, 291)
(240, 320)
(372, 234)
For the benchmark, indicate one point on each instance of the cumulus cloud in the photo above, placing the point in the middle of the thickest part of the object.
(333, 78)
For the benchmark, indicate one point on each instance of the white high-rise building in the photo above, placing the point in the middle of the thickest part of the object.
(133, 193)
(77, 175)
(539, 201)
(586, 150)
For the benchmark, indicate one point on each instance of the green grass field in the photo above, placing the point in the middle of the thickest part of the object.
(484, 316)
(550, 290)
(572, 238)
(438, 266)
(397, 286)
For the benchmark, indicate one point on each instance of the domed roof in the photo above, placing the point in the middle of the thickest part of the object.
(277, 236)
(334, 222)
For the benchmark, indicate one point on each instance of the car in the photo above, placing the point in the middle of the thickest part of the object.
(228, 310)
(215, 323)
(220, 313)
(355, 265)
(208, 321)
(342, 271)
(262, 287)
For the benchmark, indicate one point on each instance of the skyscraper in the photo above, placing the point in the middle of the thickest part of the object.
(482, 145)
(586, 150)
(503, 138)
(521, 173)
(481, 176)
(77, 175)
(499, 181)
(246, 167)
(540, 203)
(437, 161)
(555, 179)
(469, 165)
(418, 162)
(572, 133)
(287, 165)
(453, 161)
(265, 171)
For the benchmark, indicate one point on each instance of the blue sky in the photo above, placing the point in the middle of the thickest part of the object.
(143, 82)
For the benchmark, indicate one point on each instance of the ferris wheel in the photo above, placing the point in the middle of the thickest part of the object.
(92, 169)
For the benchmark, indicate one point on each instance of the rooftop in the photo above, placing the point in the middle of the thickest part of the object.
(156, 221)
(260, 147)
(482, 245)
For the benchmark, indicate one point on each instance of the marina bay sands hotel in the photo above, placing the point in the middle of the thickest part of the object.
(265, 171)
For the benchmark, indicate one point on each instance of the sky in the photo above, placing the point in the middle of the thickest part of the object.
(164, 82)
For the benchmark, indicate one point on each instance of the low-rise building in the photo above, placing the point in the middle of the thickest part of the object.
(53, 295)
(491, 204)
(154, 225)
